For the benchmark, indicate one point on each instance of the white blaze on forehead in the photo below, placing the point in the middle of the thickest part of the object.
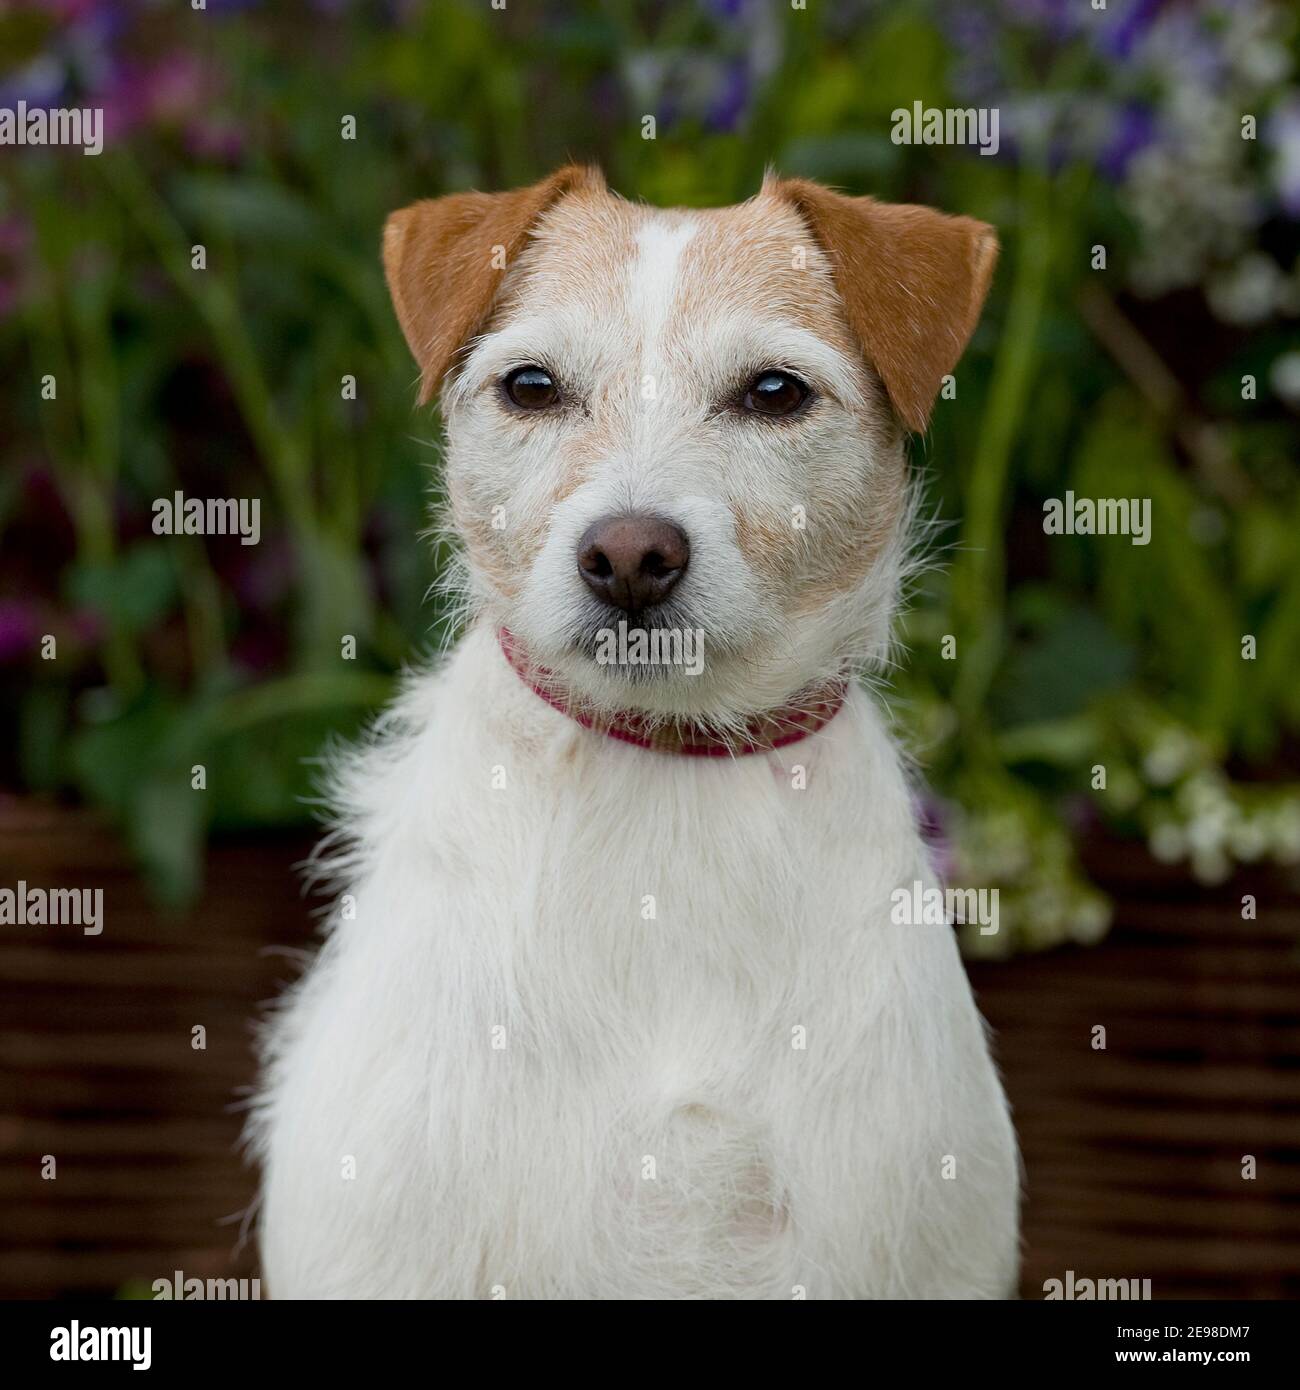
(652, 285)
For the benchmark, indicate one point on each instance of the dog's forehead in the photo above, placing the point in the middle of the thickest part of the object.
(621, 261)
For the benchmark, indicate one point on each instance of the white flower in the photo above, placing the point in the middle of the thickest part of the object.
(1207, 832)
(1089, 919)
(1167, 842)
(1167, 758)
(1284, 376)
(1285, 836)
(1203, 795)
(1248, 839)
(1249, 292)
(1211, 866)
(1251, 45)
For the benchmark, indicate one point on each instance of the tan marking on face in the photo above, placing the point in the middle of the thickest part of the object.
(486, 545)
(839, 544)
(846, 542)
(578, 255)
(583, 458)
(767, 545)
(758, 258)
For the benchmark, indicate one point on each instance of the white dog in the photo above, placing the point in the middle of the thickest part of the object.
(611, 1004)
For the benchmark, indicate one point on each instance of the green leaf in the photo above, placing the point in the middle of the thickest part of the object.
(131, 592)
(166, 831)
(1059, 670)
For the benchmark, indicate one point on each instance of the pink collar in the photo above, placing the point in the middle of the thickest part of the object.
(762, 733)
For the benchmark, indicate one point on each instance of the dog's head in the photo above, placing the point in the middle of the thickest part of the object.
(684, 421)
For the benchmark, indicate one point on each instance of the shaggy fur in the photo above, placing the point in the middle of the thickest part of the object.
(596, 1022)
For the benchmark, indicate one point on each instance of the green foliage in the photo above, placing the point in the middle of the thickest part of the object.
(179, 651)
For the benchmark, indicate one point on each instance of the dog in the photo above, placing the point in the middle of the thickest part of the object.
(611, 1004)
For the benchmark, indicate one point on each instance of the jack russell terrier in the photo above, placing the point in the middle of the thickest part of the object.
(611, 1004)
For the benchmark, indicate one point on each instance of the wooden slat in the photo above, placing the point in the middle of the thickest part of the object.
(1132, 1155)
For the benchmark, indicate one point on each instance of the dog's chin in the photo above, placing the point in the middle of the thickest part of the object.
(730, 684)
(654, 662)
(670, 661)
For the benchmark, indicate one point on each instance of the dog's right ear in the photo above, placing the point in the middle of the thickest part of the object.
(912, 280)
(444, 259)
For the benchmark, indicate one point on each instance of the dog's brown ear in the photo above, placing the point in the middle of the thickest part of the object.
(444, 259)
(912, 280)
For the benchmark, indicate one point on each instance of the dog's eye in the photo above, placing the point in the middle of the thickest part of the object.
(775, 393)
(531, 388)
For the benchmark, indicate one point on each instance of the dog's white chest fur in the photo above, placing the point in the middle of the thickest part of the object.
(599, 1022)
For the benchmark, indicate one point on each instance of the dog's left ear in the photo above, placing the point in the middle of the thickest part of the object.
(445, 258)
(912, 280)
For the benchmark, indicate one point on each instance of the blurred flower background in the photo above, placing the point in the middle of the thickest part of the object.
(1100, 687)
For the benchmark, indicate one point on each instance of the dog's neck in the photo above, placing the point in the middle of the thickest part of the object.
(808, 712)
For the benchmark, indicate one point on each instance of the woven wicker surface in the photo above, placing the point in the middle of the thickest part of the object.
(1133, 1155)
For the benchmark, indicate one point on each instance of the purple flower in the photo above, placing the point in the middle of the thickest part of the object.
(41, 83)
(1283, 134)
(15, 238)
(1061, 19)
(259, 650)
(87, 626)
(212, 138)
(1121, 36)
(728, 106)
(168, 91)
(20, 631)
(72, 10)
(1134, 129)
(1081, 815)
(977, 73)
(262, 579)
(933, 817)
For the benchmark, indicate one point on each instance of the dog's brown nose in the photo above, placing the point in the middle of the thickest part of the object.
(631, 562)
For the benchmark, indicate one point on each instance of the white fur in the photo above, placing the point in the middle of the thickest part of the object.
(559, 1038)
